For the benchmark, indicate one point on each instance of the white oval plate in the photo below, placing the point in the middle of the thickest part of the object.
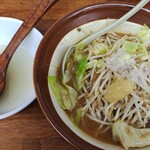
(19, 91)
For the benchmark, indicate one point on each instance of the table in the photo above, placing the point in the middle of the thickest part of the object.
(29, 129)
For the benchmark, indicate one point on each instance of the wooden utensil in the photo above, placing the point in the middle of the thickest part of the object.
(35, 15)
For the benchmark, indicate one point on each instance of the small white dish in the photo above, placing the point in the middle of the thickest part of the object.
(19, 91)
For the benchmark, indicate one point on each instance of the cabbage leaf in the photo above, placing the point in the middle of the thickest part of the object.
(136, 48)
(76, 118)
(80, 69)
(78, 55)
(100, 49)
(65, 95)
(144, 34)
(130, 47)
(129, 136)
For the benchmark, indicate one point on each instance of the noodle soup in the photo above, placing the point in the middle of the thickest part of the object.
(105, 86)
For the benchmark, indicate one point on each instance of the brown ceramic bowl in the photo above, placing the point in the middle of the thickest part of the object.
(47, 47)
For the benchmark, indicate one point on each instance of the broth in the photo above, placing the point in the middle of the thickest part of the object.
(90, 128)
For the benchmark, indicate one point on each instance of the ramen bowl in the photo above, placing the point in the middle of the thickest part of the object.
(64, 33)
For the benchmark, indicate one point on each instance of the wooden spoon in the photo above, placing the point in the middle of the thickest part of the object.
(37, 12)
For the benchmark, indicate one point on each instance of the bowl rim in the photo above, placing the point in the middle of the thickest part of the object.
(45, 110)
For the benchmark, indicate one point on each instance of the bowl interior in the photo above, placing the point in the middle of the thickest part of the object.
(74, 37)
(55, 42)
